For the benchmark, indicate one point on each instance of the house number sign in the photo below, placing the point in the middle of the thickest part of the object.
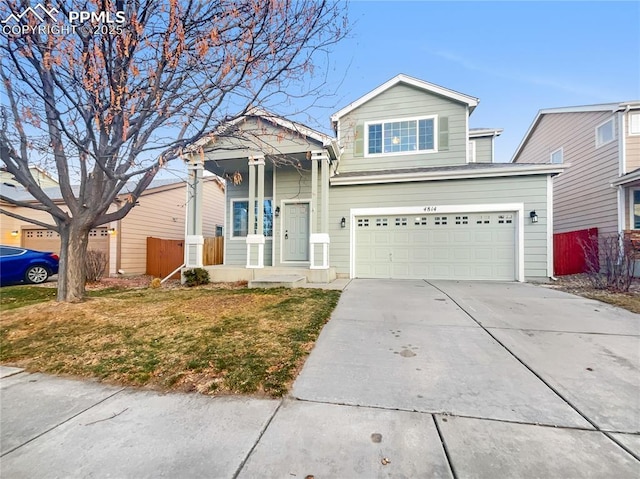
(430, 209)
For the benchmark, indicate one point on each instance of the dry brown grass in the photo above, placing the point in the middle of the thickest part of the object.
(580, 285)
(208, 339)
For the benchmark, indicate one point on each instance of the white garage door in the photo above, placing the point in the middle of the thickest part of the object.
(48, 240)
(444, 246)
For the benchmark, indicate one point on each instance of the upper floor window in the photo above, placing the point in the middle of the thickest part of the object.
(402, 136)
(605, 133)
(557, 156)
(634, 123)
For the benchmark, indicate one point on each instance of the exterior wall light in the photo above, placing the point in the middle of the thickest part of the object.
(277, 211)
(15, 233)
(534, 216)
(111, 231)
(343, 222)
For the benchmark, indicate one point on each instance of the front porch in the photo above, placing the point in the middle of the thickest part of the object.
(277, 200)
(229, 273)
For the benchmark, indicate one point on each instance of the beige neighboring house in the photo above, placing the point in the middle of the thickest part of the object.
(600, 144)
(44, 179)
(160, 213)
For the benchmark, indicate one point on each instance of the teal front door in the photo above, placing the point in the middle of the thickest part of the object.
(295, 237)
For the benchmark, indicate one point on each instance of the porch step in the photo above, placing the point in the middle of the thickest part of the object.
(278, 281)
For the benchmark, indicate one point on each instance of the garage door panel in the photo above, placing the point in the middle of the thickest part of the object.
(460, 246)
(47, 240)
(460, 254)
(462, 237)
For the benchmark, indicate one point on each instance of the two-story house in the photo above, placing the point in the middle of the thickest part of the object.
(600, 144)
(404, 189)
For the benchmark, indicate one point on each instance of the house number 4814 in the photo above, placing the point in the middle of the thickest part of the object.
(430, 209)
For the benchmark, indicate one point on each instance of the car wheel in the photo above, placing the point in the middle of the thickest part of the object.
(36, 274)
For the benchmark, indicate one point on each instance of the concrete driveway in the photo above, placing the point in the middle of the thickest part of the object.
(408, 379)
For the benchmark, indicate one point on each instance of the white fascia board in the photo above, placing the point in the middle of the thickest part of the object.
(446, 175)
(293, 126)
(526, 136)
(472, 102)
(480, 132)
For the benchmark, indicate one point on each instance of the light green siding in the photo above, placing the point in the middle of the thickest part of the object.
(530, 190)
(403, 101)
(293, 185)
(484, 149)
(236, 248)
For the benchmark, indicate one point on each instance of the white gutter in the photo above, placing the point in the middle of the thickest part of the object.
(404, 177)
(622, 144)
(629, 178)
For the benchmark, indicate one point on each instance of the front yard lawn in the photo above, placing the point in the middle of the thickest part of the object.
(208, 340)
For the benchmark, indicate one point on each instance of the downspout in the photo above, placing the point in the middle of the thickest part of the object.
(119, 247)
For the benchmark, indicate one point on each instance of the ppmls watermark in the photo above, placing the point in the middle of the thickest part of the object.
(44, 21)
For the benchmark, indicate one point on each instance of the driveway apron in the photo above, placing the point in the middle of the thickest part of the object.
(521, 380)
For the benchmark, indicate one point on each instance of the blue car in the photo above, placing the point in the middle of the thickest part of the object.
(20, 264)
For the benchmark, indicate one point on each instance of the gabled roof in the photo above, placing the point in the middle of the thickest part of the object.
(612, 107)
(277, 120)
(19, 193)
(472, 102)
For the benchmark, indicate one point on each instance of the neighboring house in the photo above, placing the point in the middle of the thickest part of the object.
(600, 144)
(160, 213)
(42, 178)
(405, 189)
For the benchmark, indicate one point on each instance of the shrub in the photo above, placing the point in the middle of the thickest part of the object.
(610, 262)
(156, 283)
(96, 264)
(196, 276)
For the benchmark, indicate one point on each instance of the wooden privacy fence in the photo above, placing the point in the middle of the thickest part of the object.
(164, 256)
(569, 255)
(213, 250)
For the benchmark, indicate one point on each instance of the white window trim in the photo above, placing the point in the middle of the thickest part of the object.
(233, 237)
(632, 115)
(631, 211)
(283, 203)
(471, 145)
(561, 150)
(613, 138)
(400, 153)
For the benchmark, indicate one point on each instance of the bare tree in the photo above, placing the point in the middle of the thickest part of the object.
(610, 261)
(113, 100)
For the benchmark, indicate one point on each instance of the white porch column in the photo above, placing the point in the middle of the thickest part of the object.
(255, 241)
(322, 236)
(194, 240)
(313, 227)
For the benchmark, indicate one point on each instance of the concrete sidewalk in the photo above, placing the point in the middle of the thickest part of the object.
(409, 379)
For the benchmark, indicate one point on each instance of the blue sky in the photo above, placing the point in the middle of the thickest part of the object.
(516, 57)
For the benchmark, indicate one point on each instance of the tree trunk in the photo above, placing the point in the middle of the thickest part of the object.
(72, 276)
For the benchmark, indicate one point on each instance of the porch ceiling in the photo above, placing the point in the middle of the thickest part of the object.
(241, 165)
